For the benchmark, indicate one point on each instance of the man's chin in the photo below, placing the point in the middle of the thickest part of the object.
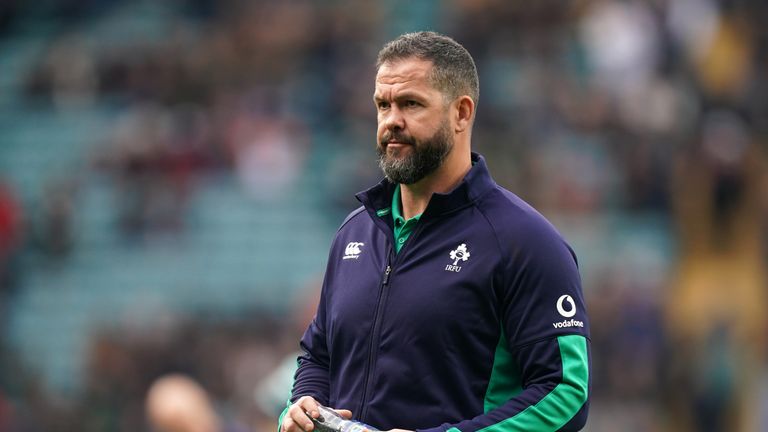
(397, 151)
(397, 159)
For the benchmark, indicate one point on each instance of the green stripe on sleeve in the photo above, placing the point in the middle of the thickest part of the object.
(558, 407)
(505, 377)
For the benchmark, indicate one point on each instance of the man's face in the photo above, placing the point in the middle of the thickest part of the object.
(414, 134)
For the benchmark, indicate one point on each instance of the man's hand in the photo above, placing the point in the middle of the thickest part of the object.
(296, 420)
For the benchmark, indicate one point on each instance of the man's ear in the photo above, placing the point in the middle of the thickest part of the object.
(464, 112)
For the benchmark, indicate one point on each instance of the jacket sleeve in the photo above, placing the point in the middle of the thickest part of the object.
(312, 374)
(553, 392)
(311, 377)
(541, 379)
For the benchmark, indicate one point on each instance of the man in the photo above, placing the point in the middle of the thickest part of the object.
(448, 303)
(177, 403)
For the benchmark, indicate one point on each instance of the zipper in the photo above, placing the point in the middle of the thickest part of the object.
(378, 312)
(377, 317)
(386, 275)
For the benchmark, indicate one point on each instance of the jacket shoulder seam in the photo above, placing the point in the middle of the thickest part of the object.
(490, 224)
(350, 216)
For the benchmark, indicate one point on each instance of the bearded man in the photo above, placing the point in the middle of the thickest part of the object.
(448, 304)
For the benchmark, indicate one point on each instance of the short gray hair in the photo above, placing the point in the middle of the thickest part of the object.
(453, 70)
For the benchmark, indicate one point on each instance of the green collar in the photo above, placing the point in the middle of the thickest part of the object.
(402, 228)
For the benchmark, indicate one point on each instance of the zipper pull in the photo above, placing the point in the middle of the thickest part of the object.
(386, 274)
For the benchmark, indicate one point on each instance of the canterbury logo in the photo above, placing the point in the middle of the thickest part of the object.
(353, 250)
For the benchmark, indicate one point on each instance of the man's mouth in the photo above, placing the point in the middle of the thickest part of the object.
(397, 141)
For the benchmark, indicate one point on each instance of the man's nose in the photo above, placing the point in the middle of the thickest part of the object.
(393, 119)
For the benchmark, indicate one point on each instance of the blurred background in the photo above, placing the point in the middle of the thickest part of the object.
(172, 173)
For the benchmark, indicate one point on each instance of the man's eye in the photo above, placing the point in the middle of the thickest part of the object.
(382, 105)
(411, 103)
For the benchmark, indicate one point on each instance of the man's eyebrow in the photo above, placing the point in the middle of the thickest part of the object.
(409, 95)
(400, 96)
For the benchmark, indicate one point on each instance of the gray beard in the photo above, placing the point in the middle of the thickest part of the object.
(427, 156)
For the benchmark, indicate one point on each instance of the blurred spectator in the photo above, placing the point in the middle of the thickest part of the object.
(154, 162)
(10, 222)
(176, 403)
(716, 302)
(54, 231)
(629, 57)
(10, 241)
(67, 77)
(268, 153)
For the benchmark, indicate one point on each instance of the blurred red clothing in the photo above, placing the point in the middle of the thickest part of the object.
(10, 221)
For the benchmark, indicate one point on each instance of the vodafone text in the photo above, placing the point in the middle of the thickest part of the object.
(568, 323)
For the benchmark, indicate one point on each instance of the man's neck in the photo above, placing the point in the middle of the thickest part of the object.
(415, 197)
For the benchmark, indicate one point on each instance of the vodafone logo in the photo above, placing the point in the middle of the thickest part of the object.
(571, 306)
(567, 313)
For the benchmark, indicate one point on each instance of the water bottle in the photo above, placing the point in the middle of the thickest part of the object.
(331, 421)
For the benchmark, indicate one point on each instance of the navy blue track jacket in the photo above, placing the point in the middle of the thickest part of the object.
(478, 323)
